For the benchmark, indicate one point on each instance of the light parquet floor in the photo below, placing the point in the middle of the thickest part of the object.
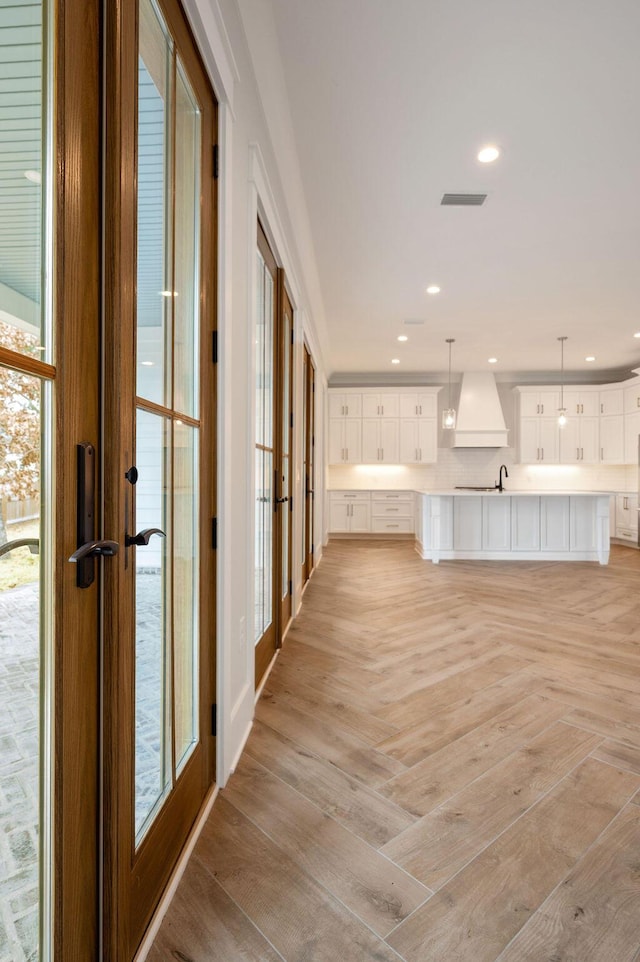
(444, 767)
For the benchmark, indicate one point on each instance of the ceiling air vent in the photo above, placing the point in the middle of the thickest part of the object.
(462, 200)
(412, 320)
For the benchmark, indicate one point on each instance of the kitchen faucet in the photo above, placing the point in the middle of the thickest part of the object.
(499, 485)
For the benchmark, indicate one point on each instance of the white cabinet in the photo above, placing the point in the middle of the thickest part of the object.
(380, 405)
(345, 441)
(496, 523)
(418, 440)
(626, 517)
(632, 399)
(380, 441)
(539, 403)
(525, 523)
(345, 405)
(612, 402)
(392, 512)
(350, 512)
(418, 406)
(554, 524)
(631, 435)
(467, 523)
(582, 403)
(539, 440)
(582, 524)
(579, 440)
(612, 439)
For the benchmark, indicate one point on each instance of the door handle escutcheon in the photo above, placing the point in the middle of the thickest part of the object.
(143, 536)
(92, 549)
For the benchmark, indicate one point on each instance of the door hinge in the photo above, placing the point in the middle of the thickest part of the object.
(216, 162)
(290, 587)
(291, 419)
(214, 719)
(214, 347)
(214, 533)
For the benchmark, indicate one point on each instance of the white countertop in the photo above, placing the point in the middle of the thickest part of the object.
(448, 492)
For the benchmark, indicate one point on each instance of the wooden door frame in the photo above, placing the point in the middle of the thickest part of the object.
(125, 917)
(285, 335)
(308, 462)
(76, 311)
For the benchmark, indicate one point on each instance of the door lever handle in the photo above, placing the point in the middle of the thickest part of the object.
(92, 549)
(281, 500)
(33, 544)
(143, 536)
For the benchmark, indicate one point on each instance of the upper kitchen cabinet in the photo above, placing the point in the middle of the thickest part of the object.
(582, 403)
(380, 441)
(380, 405)
(632, 398)
(611, 402)
(419, 405)
(345, 404)
(345, 440)
(539, 402)
(579, 439)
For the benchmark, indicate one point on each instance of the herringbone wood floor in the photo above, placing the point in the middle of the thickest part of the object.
(445, 765)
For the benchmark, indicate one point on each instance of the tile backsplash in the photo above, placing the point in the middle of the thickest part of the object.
(460, 466)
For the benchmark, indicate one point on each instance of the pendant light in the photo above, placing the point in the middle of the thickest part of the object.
(562, 418)
(449, 415)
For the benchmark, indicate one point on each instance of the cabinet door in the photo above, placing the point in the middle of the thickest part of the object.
(612, 402)
(353, 405)
(525, 523)
(529, 440)
(632, 399)
(571, 402)
(360, 518)
(370, 440)
(612, 439)
(631, 434)
(428, 441)
(336, 441)
(428, 405)
(389, 405)
(529, 404)
(339, 516)
(549, 440)
(409, 442)
(467, 523)
(371, 406)
(589, 440)
(353, 440)
(549, 403)
(389, 441)
(590, 404)
(496, 523)
(336, 405)
(583, 535)
(554, 523)
(409, 406)
(570, 440)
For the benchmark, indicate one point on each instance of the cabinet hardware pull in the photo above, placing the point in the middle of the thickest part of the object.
(602, 454)
(602, 409)
(577, 454)
(542, 454)
(542, 409)
(347, 450)
(393, 526)
(349, 495)
(420, 409)
(382, 406)
(420, 450)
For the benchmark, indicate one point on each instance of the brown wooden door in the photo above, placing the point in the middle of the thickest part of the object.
(309, 464)
(285, 446)
(159, 450)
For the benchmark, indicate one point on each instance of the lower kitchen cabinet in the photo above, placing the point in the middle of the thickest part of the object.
(626, 518)
(350, 512)
(467, 524)
(496, 523)
(371, 512)
(525, 524)
(554, 524)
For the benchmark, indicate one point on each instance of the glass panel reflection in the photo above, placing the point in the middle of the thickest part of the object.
(153, 675)
(187, 248)
(20, 659)
(185, 590)
(155, 293)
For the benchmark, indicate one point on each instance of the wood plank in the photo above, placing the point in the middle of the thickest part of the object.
(376, 890)
(358, 808)
(619, 731)
(620, 756)
(429, 783)
(204, 923)
(478, 912)
(594, 913)
(442, 843)
(295, 913)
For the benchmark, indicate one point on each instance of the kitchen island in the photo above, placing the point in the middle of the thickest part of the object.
(513, 525)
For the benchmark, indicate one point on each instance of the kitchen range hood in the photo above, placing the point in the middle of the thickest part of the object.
(480, 421)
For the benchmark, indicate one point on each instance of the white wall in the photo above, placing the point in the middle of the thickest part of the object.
(259, 174)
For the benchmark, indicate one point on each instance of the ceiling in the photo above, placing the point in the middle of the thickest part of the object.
(390, 103)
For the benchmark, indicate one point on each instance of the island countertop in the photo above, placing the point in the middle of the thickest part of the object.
(519, 493)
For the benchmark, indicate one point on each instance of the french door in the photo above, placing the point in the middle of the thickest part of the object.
(273, 550)
(159, 410)
(107, 480)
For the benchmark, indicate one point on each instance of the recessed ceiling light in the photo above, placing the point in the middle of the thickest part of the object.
(402, 337)
(395, 360)
(493, 360)
(590, 358)
(433, 289)
(147, 363)
(637, 334)
(488, 154)
(34, 176)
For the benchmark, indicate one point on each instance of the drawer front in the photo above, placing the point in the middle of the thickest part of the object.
(627, 534)
(390, 509)
(350, 495)
(393, 496)
(392, 526)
